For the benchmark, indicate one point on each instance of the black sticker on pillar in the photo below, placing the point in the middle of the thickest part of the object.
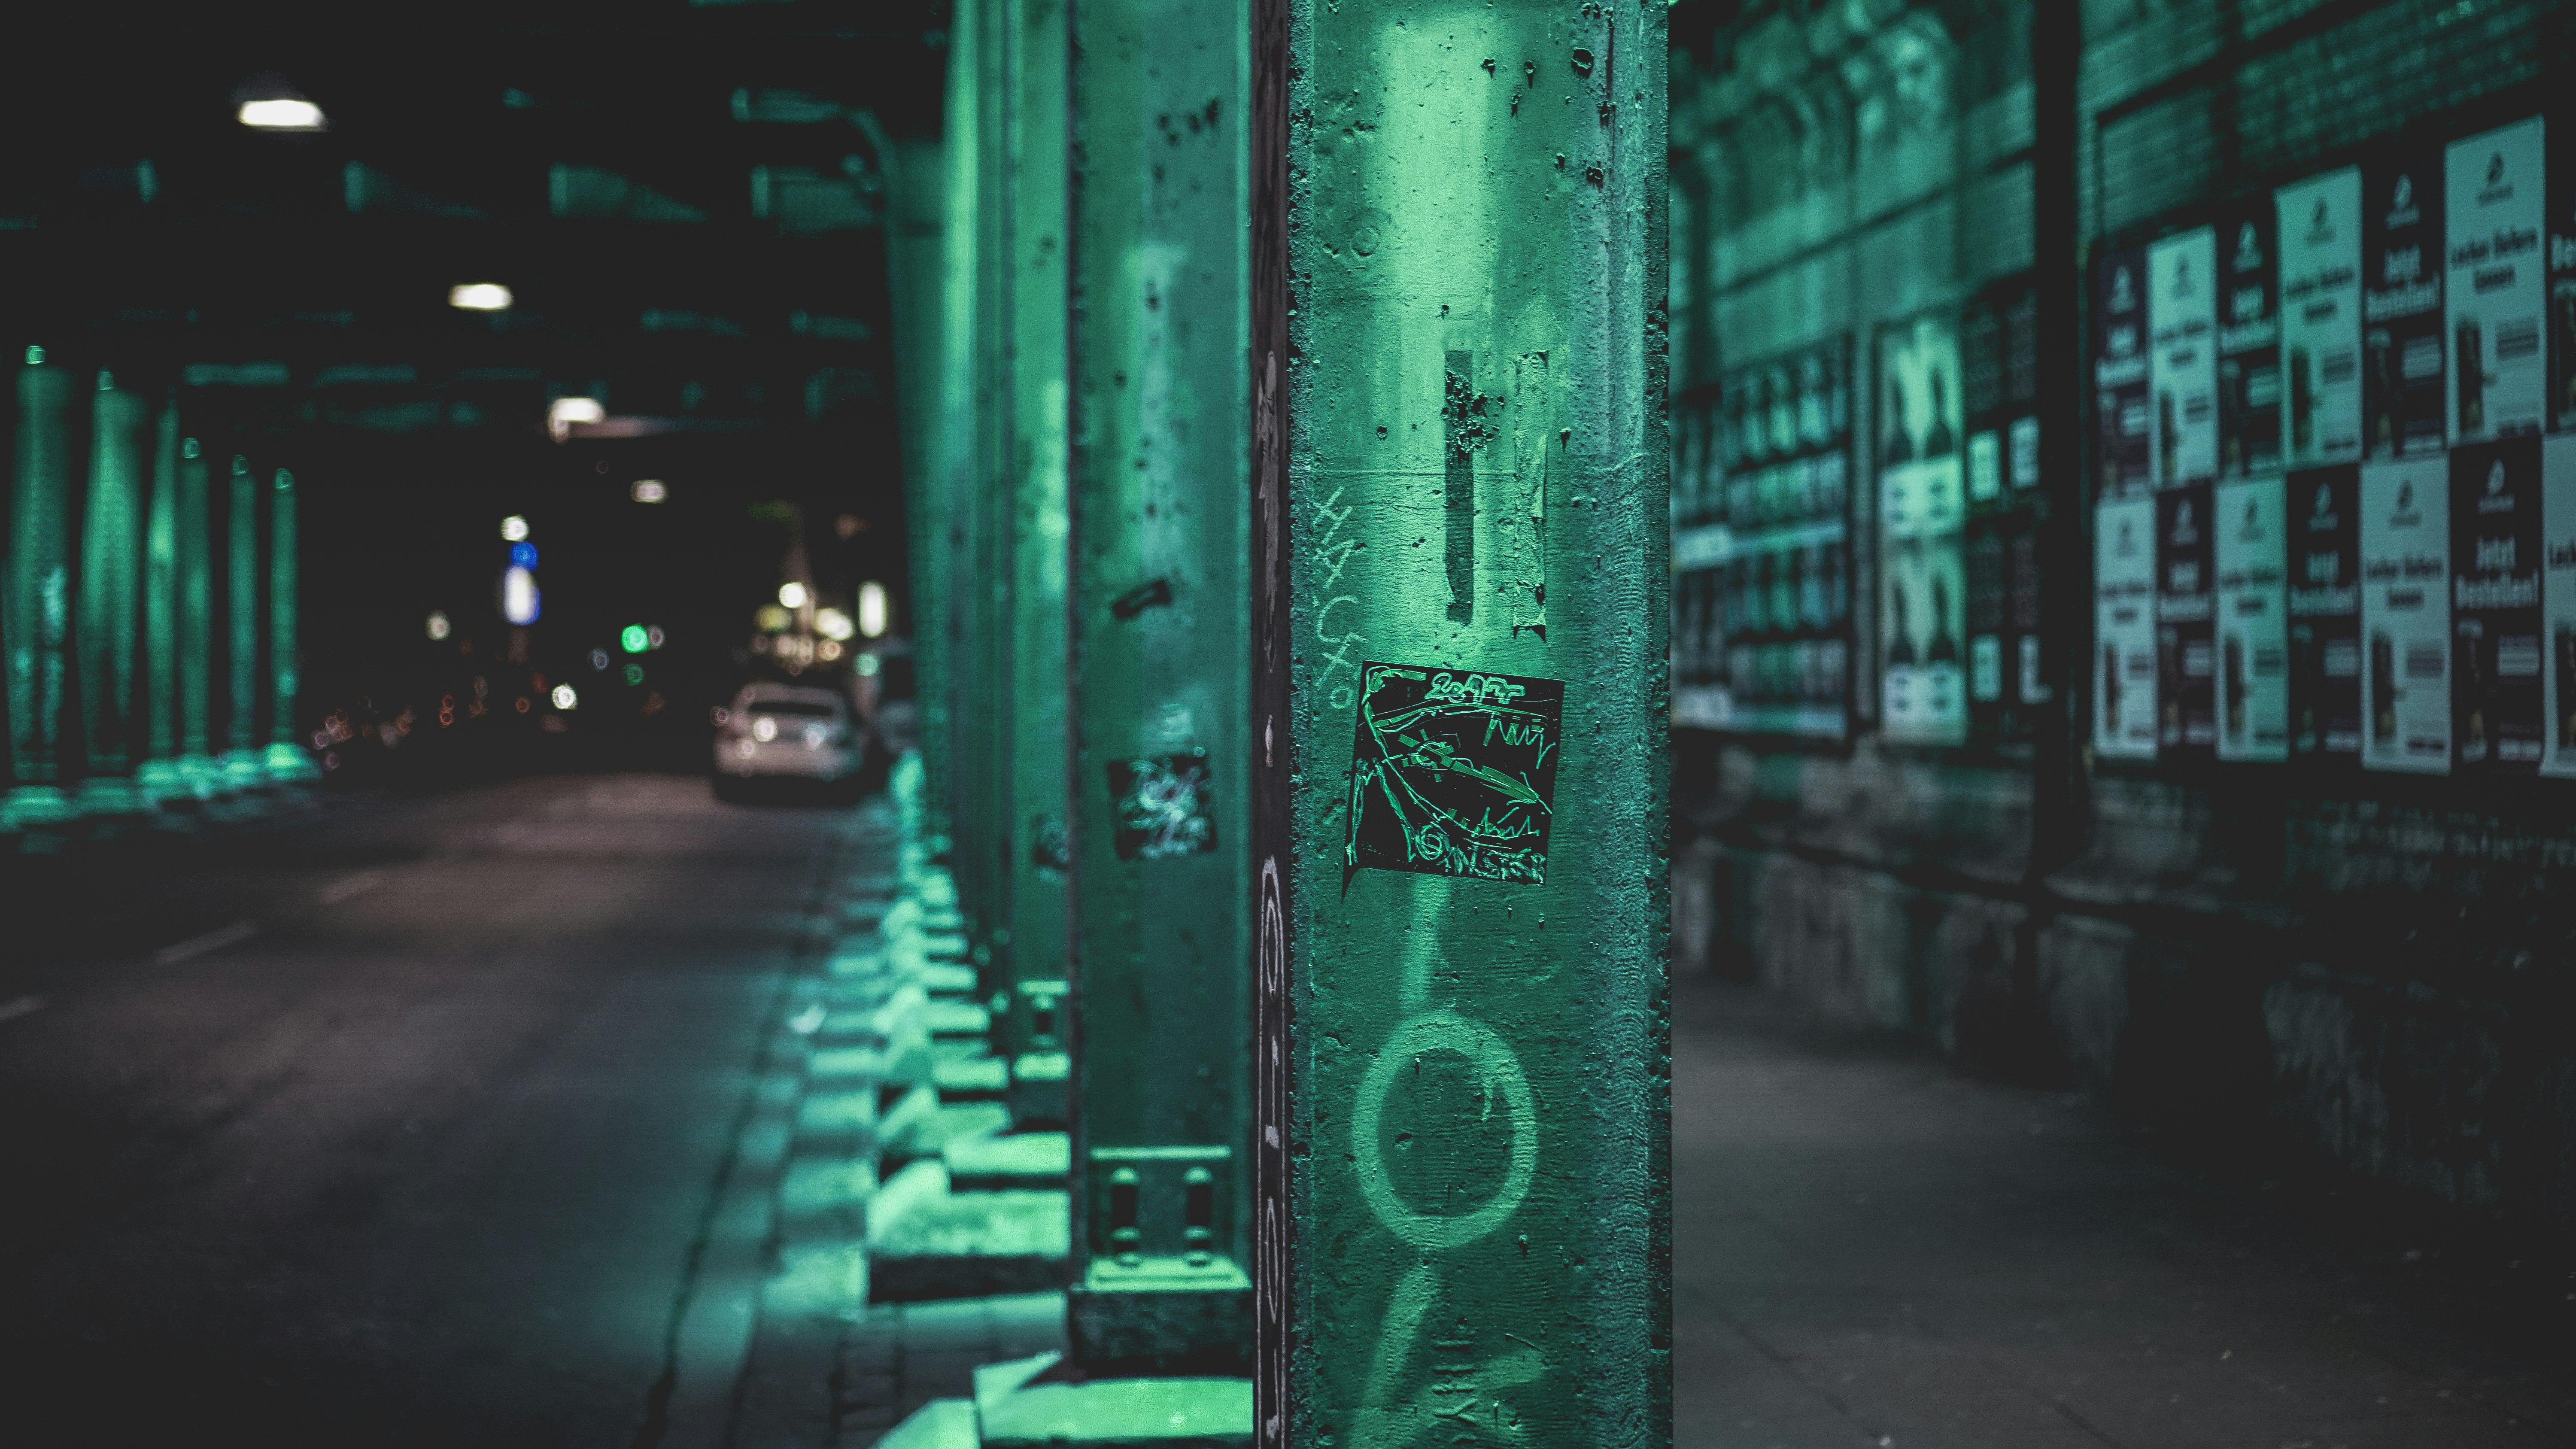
(1050, 845)
(2497, 710)
(1159, 806)
(1453, 772)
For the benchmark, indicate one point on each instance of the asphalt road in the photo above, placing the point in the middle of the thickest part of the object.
(396, 1125)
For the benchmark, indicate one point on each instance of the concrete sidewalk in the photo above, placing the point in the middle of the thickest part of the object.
(1871, 1249)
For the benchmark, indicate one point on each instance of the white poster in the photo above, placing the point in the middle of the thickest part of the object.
(2182, 366)
(2320, 251)
(2497, 198)
(2253, 622)
(2406, 616)
(1923, 619)
(2558, 600)
(2124, 630)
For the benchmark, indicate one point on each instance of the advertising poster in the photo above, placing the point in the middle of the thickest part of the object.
(2495, 195)
(2496, 295)
(2124, 629)
(2558, 601)
(2562, 286)
(2253, 620)
(2249, 348)
(2404, 405)
(2319, 237)
(2324, 545)
(2186, 665)
(2182, 363)
(2497, 708)
(1762, 584)
(2406, 616)
(1923, 617)
(2120, 371)
(2004, 678)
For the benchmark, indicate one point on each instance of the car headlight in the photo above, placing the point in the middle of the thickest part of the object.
(815, 735)
(764, 729)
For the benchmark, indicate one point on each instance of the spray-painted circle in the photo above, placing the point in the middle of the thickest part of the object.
(1494, 1060)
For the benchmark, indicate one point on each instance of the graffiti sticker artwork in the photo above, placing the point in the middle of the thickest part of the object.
(1159, 806)
(1453, 772)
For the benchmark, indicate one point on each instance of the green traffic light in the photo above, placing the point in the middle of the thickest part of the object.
(633, 639)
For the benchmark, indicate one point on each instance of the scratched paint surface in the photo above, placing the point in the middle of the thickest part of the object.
(1464, 1234)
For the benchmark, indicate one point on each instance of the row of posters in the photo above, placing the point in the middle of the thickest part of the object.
(1762, 578)
(1958, 501)
(2386, 311)
(2415, 615)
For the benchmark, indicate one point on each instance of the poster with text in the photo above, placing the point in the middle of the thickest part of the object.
(2558, 600)
(2182, 363)
(2124, 629)
(2497, 704)
(2319, 237)
(2120, 371)
(2562, 286)
(2003, 629)
(2323, 538)
(2403, 407)
(2249, 347)
(2406, 616)
(2495, 194)
(1922, 621)
(2186, 666)
(2253, 621)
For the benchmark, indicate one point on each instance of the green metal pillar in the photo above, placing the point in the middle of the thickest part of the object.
(193, 534)
(1161, 684)
(287, 761)
(1461, 482)
(110, 589)
(983, 825)
(159, 776)
(948, 579)
(915, 235)
(39, 605)
(1036, 847)
(244, 768)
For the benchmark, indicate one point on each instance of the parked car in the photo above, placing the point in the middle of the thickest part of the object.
(787, 730)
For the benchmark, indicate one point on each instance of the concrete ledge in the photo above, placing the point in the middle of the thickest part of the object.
(1019, 1160)
(1173, 1412)
(952, 1019)
(943, 979)
(927, 1242)
(973, 1079)
(939, 1424)
(918, 1125)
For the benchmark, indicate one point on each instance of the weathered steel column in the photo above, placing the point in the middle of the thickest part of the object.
(109, 588)
(1036, 850)
(194, 533)
(159, 776)
(1464, 1199)
(939, 581)
(38, 623)
(287, 761)
(242, 766)
(1161, 682)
